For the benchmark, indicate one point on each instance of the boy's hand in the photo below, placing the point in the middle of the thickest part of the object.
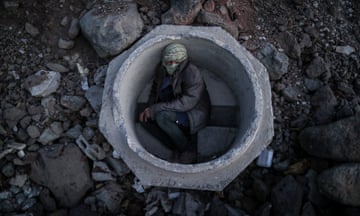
(145, 115)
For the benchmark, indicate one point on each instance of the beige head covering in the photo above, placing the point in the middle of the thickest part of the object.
(175, 52)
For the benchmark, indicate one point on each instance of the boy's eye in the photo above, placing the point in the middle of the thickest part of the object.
(170, 62)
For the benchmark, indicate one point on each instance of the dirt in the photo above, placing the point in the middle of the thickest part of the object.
(329, 24)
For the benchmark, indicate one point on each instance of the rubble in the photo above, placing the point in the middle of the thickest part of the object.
(43, 83)
(93, 151)
(311, 30)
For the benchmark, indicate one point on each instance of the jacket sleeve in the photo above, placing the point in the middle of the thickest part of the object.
(192, 87)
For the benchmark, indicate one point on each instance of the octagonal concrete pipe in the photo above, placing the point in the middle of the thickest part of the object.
(222, 56)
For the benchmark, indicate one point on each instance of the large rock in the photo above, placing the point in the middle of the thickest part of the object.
(181, 12)
(338, 140)
(342, 184)
(65, 171)
(112, 27)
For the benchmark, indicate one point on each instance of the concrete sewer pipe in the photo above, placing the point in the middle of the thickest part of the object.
(236, 81)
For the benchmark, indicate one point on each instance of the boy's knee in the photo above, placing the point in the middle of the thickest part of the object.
(164, 116)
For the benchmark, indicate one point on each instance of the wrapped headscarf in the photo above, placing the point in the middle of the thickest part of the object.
(174, 53)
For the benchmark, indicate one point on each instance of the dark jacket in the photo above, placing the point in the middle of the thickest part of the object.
(190, 95)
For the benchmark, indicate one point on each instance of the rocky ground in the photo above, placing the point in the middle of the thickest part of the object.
(52, 74)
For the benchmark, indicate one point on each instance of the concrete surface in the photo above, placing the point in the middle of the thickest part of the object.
(225, 60)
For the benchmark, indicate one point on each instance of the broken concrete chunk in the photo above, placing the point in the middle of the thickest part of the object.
(43, 83)
(101, 172)
(93, 151)
(112, 195)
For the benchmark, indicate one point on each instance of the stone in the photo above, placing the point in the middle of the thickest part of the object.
(47, 200)
(94, 96)
(74, 29)
(290, 45)
(117, 165)
(316, 68)
(337, 140)
(33, 131)
(18, 180)
(346, 50)
(341, 183)
(68, 164)
(308, 210)
(110, 35)
(214, 19)
(64, 21)
(51, 133)
(282, 205)
(275, 62)
(291, 93)
(32, 30)
(99, 75)
(66, 44)
(24, 123)
(50, 106)
(74, 132)
(314, 192)
(57, 67)
(74, 103)
(261, 190)
(324, 102)
(111, 195)
(312, 84)
(43, 83)
(13, 115)
(101, 172)
(8, 170)
(82, 210)
(182, 13)
(88, 133)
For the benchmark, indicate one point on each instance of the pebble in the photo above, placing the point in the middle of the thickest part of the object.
(64, 21)
(19, 180)
(32, 30)
(74, 103)
(74, 29)
(33, 131)
(290, 93)
(8, 170)
(66, 44)
(57, 67)
(346, 50)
